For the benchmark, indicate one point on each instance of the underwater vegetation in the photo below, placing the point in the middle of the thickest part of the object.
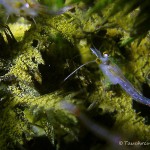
(46, 102)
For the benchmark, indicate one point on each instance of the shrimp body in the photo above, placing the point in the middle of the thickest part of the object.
(18, 7)
(135, 94)
(115, 75)
(31, 8)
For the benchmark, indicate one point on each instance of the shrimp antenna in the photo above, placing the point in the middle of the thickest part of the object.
(96, 51)
(77, 70)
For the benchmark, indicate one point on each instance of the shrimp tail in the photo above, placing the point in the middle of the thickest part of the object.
(135, 94)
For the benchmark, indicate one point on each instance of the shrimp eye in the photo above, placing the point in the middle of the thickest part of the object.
(105, 54)
(26, 5)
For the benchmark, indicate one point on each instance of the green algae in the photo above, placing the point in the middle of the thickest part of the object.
(31, 109)
(127, 121)
(33, 117)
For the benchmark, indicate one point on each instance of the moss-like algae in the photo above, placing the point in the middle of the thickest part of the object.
(27, 112)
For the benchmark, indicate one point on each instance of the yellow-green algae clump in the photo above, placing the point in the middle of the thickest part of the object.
(31, 109)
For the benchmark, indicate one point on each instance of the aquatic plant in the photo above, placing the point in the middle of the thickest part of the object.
(36, 58)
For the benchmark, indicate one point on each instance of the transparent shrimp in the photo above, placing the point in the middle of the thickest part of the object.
(98, 130)
(115, 75)
(30, 8)
(18, 8)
